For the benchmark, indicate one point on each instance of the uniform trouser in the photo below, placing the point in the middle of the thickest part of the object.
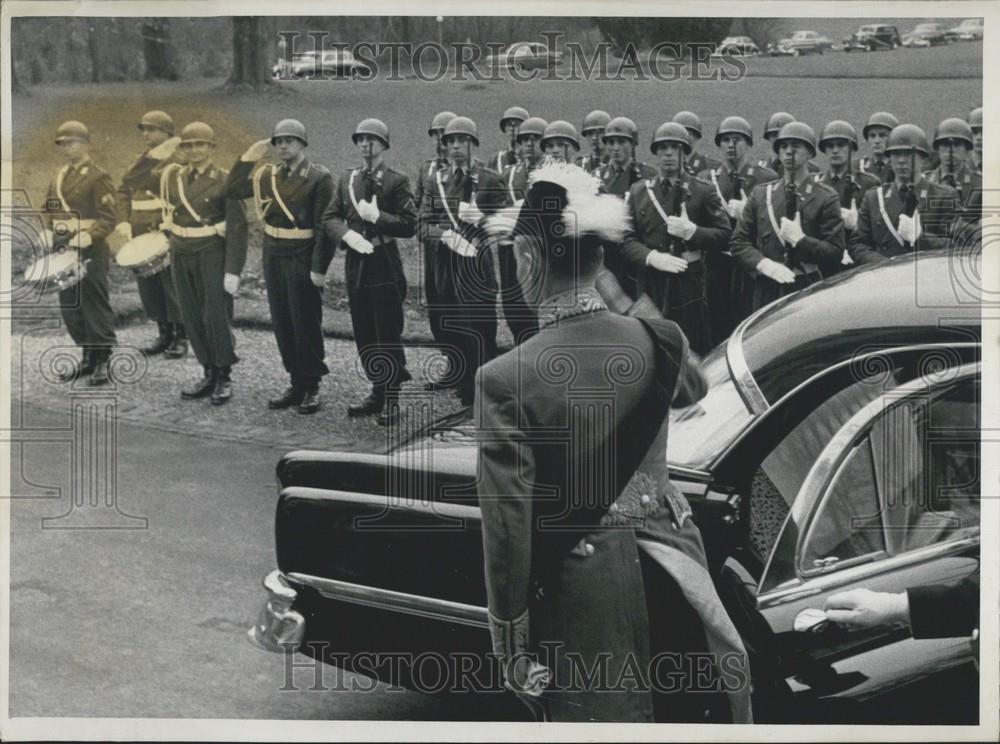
(157, 292)
(207, 309)
(296, 315)
(722, 310)
(86, 307)
(521, 319)
(431, 295)
(683, 299)
(377, 319)
(741, 294)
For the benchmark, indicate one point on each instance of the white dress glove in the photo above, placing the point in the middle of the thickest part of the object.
(220, 229)
(846, 259)
(863, 608)
(357, 242)
(231, 283)
(469, 212)
(368, 210)
(850, 216)
(256, 151)
(81, 240)
(458, 244)
(318, 280)
(791, 230)
(681, 227)
(735, 208)
(666, 263)
(909, 228)
(124, 229)
(776, 271)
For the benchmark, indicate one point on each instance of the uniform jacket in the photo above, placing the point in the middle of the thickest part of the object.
(698, 162)
(591, 162)
(945, 610)
(425, 179)
(306, 192)
(479, 183)
(775, 165)
(503, 159)
(618, 182)
(848, 186)
(515, 180)
(873, 241)
(90, 195)
(141, 182)
(397, 219)
(969, 185)
(755, 236)
(881, 169)
(733, 185)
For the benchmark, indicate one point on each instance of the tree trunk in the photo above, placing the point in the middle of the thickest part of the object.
(94, 48)
(251, 68)
(157, 50)
(15, 85)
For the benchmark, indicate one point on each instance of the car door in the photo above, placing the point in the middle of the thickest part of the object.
(891, 502)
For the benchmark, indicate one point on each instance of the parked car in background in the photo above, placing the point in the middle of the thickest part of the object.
(524, 55)
(802, 42)
(873, 37)
(329, 64)
(925, 35)
(737, 46)
(971, 29)
(838, 446)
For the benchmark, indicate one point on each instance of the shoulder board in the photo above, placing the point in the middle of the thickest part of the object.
(823, 186)
(321, 168)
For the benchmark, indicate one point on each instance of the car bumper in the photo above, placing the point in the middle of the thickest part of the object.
(279, 628)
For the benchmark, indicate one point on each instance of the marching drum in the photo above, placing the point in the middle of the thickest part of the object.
(56, 271)
(145, 255)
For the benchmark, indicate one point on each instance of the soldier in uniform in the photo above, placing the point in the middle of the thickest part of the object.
(592, 130)
(677, 219)
(953, 140)
(698, 161)
(559, 141)
(790, 227)
(976, 122)
(876, 133)
(80, 208)
(290, 199)
(140, 212)
(838, 141)
(372, 207)
(207, 253)
(911, 213)
(774, 124)
(509, 124)
(729, 286)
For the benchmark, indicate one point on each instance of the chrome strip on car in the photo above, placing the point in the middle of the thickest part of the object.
(740, 371)
(387, 599)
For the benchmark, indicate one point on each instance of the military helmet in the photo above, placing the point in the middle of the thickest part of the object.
(976, 119)
(621, 126)
(776, 121)
(462, 125)
(838, 129)
(514, 113)
(953, 128)
(440, 121)
(72, 130)
(734, 125)
(797, 131)
(561, 129)
(374, 127)
(690, 121)
(907, 137)
(596, 119)
(532, 125)
(197, 131)
(157, 120)
(880, 119)
(671, 131)
(290, 128)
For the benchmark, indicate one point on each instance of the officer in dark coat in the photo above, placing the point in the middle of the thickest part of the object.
(140, 212)
(791, 227)
(729, 286)
(207, 252)
(452, 211)
(371, 207)
(677, 219)
(697, 162)
(911, 213)
(594, 124)
(290, 199)
(771, 129)
(976, 124)
(876, 133)
(953, 140)
(81, 213)
(510, 124)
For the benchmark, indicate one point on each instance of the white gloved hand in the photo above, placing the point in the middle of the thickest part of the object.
(846, 259)
(458, 244)
(850, 216)
(863, 608)
(318, 280)
(231, 283)
(256, 151)
(368, 210)
(791, 230)
(681, 227)
(124, 229)
(81, 240)
(356, 241)
(776, 271)
(469, 212)
(908, 228)
(735, 207)
(220, 229)
(666, 263)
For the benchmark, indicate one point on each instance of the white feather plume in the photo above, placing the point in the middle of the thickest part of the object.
(587, 210)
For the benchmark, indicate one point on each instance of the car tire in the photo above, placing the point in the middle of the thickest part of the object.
(796, 52)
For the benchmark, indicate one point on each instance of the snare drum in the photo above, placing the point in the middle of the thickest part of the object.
(56, 271)
(145, 255)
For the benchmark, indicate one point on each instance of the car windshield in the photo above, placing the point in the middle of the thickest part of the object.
(867, 30)
(926, 27)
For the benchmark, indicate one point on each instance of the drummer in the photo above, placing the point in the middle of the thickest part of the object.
(80, 207)
(139, 212)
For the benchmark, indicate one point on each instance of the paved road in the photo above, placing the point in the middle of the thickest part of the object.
(152, 622)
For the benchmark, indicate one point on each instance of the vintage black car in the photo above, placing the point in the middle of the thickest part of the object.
(873, 37)
(838, 447)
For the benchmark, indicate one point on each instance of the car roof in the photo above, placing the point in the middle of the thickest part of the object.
(908, 300)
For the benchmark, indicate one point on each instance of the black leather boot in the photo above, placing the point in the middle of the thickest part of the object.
(202, 388)
(391, 410)
(310, 401)
(178, 348)
(100, 374)
(80, 369)
(292, 396)
(162, 341)
(369, 406)
(223, 387)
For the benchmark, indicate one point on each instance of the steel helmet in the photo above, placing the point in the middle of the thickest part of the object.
(158, 120)
(976, 119)
(880, 119)
(671, 131)
(838, 129)
(374, 127)
(689, 121)
(596, 119)
(532, 125)
(734, 125)
(561, 129)
(197, 131)
(72, 130)
(462, 125)
(514, 113)
(621, 126)
(440, 121)
(776, 121)
(290, 128)
(953, 128)
(798, 131)
(908, 137)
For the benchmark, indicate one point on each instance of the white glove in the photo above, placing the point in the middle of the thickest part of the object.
(458, 244)
(791, 230)
(735, 207)
(850, 216)
(318, 280)
(909, 228)
(81, 240)
(231, 283)
(256, 151)
(220, 229)
(775, 271)
(165, 149)
(681, 227)
(124, 229)
(368, 210)
(357, 242)
(665, 262)
(846, 259)
(863, 608)
(469, 212)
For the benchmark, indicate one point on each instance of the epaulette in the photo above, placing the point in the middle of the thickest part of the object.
(827, 187)
(321, 168)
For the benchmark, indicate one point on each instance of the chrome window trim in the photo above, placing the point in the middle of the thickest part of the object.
(739, 370)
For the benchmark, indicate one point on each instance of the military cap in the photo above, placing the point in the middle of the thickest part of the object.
(290, 128)
(880, 119)
(374, 127)
(157, 120)
(72, 130)
(671, 131)
(907, 137)
(690, 121)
